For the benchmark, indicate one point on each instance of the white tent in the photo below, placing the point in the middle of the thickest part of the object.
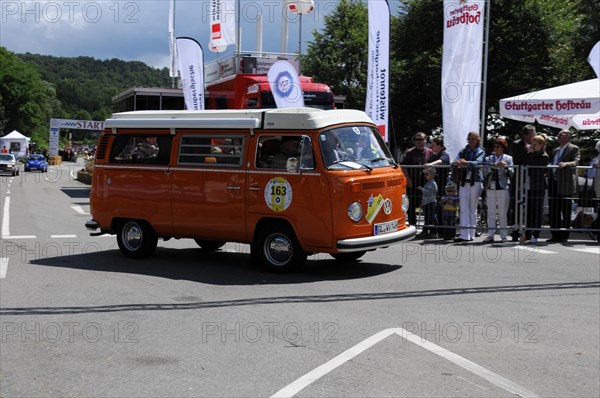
(16, 143)
(574, 105)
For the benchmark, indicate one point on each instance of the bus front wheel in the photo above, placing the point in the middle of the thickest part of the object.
(277, 248)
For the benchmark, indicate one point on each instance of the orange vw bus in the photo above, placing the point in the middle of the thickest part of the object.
(289, 182)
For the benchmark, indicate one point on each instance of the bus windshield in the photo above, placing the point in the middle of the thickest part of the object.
(354, 147)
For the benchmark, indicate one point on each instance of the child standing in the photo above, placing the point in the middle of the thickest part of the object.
(428, 203)
(450, 202)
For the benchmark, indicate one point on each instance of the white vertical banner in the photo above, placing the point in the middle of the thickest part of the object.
(594, 59)
(173, 64)
(191, 68)
(461, 71)
(222, 23)
(378, 79)
(285, 85)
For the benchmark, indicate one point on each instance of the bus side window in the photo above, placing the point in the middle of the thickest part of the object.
(211, 150)
(275, 151)
(141, 149)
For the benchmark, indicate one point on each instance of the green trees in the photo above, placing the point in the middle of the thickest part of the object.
(35, 88)
(85, 86)
(338, 55)
(26, 101)
(534, 44)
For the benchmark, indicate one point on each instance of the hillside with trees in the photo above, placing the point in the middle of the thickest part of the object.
(85, 86)
(35, 88)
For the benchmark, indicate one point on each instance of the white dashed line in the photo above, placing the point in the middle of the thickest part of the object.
(5, 218)
(314, 375)
(18, 237)
(62, 236)
(79, 210)
(3, 267)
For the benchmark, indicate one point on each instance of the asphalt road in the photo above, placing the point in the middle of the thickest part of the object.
(417, 319)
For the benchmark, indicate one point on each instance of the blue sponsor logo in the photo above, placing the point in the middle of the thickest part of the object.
(284, 84)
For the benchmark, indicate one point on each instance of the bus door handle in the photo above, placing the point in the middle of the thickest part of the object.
(167, 172)
(254, 188)
(233, 187)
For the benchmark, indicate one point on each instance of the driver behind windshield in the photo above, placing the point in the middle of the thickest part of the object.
(331, 149)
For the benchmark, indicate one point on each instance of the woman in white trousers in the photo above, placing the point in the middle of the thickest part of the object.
(498, 170)
(469, 162)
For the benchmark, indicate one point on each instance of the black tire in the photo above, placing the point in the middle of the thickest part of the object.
(210, 245)
(348, 257)
(136, 239)
(480, 228)
(277, 248)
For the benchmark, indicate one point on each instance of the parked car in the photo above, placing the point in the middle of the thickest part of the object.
(8, 164)
(36, 162)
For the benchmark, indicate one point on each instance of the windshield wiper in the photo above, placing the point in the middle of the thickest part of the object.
(391, 160)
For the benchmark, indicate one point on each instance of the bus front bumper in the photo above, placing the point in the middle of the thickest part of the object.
(374, 242)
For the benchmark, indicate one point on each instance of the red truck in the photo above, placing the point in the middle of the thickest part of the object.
(241, 83)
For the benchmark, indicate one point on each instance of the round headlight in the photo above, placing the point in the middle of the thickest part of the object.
(405, 203)
(355, 211)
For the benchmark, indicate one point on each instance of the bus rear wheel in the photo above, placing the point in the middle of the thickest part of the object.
(277, 248)
(136, 239)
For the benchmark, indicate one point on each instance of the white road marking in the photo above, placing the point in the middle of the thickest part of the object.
(74, 173)
(304, 381)
(591, 250)
(5, 218)
(534, 249)
(79, 210)
(62, 236)
(3, 267)
(18, 237)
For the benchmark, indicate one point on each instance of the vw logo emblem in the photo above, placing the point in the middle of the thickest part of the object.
(387, 206)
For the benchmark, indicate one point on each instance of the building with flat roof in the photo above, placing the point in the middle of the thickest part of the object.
(148, 99)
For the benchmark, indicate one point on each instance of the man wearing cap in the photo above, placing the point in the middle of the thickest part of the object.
(428, 203)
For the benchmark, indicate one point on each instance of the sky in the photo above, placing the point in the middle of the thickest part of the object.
(138, 30)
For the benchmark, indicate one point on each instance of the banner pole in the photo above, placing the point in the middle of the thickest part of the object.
(485, 72)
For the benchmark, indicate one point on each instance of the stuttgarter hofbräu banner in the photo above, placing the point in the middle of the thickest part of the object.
(461, 71)
(378, 78)
(191, 68)
(222, 24)
(285, 85)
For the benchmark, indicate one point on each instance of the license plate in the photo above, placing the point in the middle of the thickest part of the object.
(386, 227)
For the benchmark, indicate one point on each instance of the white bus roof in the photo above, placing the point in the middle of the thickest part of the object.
(269, 119)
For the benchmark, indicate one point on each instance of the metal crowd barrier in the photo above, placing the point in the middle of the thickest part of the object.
(584, 208)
